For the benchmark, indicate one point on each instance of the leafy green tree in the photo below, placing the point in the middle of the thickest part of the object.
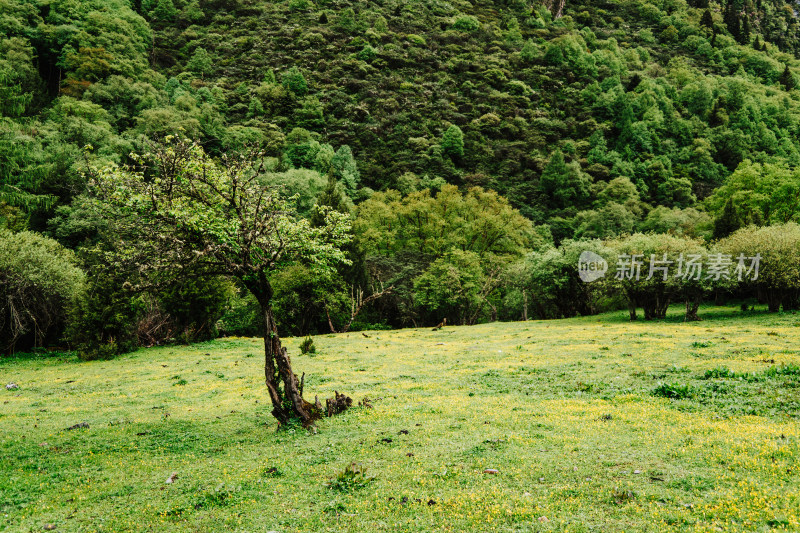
(655, 270)
(13, 100)
(193, 215)
(310, 115)
(479, 221)
(299, 5)
(255, 109)
(778, 248)
(39, 285)
(609, 221)
(302, 185)
(675, 192)
(566, 183)
(294, 81)
(513, 32)
(453, 142)
(530, 51)
(302, 148)
(368, 53)
(551, 282)
(22, 174)
(345, 169)
(456, 286)
(688, 222)
(401, 236)
(195, 305)
(302, 296)
(466, 23)
(201, 62)
(346, 20)
(148, 5)
(757, 193)
(165, 11)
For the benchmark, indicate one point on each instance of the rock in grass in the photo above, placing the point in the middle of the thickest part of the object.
(49, 527)
(491, 471)
(82, 425)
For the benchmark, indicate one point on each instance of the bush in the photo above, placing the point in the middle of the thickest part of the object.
(784, 370)
(779, 270)
(719, 372)
(351, 478)
(106, 317)
(466, 23)
(368, 53)
(195, 305)
(674, 391)
(655, 294)
(307, 346)
(39, 285)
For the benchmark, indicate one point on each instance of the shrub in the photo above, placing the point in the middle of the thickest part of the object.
(783, 370)
(39, 285)
(106, 317)
(299, 5)
(466, 23)
(294, 81)
(719, 372)
(778, 247)
(195, 305)
(351, 478)
(307, 346)
(674, 391)
(368, 53)
(218, 497)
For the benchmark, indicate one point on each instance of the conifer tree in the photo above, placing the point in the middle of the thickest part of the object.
(787, 79)
(706, 20)
(165, 11)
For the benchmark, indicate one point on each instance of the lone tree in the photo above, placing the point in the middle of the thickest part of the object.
(176, 211)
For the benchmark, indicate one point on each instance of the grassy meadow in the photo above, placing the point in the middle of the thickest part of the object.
(592, 424)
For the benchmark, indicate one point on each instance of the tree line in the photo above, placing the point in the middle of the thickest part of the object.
(186, 247)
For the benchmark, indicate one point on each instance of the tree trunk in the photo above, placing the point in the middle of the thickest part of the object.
(287, 402)
(282, 383)
(524, 305)
(632, 308)
(791, 300)
(663, 305)
(692, 305)
(774, 297)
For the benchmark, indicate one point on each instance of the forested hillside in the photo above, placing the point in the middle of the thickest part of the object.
(477, 93)
(593, 119)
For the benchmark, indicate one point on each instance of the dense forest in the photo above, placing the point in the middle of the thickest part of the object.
(476, 146)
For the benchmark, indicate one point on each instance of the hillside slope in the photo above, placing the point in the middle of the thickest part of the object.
(548, 111)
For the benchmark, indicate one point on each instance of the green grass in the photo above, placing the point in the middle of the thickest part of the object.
(569, 412)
